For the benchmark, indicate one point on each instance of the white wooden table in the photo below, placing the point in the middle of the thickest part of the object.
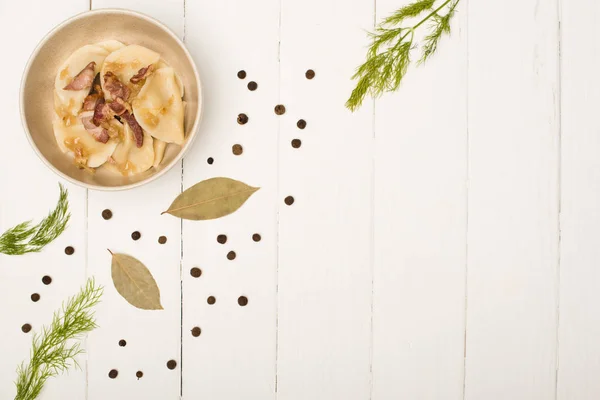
(444, 242)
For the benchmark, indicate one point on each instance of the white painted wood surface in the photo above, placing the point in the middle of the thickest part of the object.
(442, 242)
(579, 321)
(513, 232)
(420, 227)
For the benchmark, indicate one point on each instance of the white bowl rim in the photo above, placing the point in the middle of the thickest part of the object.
(184, 148)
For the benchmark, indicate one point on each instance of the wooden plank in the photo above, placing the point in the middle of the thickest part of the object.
(234, 357)
(580, 195)
(420, 226)
(324, 312)
(513, 200)
(28, 190)
(153, 337)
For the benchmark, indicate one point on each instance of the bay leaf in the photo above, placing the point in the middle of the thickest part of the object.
(134, 282)
(211, 199)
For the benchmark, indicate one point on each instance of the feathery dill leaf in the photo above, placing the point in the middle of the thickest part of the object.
(440, 26)
(52, 352)
(25, 238)
(389, 54)
(409, 11)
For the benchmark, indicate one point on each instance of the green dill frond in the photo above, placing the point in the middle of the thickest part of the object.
(383, 71)
(389, 54)
(52, 353)
(409, 11)
(440, 26)
(25, 238)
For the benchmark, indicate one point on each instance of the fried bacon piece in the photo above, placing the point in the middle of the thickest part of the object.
(142, 74)
(101, 112)
(89, 104)
(115, 87)
(138, 134)
(98, 132)
(83, 79)
(119, 106)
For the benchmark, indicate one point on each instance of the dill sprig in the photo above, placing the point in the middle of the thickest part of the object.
(52, 352)
(389, 55)
(25, 238)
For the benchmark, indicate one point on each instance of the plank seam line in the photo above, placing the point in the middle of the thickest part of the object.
(372, 244)
(86, 250)
(559, 194)
(277, 201)
(86, 247)
(181, 256)
(468, 171)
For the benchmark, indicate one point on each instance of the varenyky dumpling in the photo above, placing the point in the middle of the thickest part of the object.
(78, 143)
(159, 152)
(125, 64)
(163, 64)
(111, 45)
(74, 78)
(158, 107)
(128, 159)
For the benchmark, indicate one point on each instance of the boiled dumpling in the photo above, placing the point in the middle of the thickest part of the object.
(128, 159)
(158, 107)
(79, 144)
(69, 102)
(125, 63)
(111, 45)
(159, 152)
(163, 64)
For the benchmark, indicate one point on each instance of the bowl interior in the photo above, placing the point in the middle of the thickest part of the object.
(92, 27)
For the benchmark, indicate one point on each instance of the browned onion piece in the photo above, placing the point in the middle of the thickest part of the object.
(89, 104)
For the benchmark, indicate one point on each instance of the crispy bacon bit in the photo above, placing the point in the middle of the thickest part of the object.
(119, 106)
(138, 134)
(101, 112)
(142, 74)
(83, 79)
(89, 104)
(98, 132)
(115, 87)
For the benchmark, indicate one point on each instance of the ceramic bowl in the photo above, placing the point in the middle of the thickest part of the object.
(37, 86)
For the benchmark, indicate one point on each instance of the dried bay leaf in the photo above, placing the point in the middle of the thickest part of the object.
(134, 282)
(211, 199)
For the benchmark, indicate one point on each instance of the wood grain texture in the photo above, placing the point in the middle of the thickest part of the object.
(324, 307)
(28, 190)
(234, 357)
(579, 348)
(153, 337)
(513, 200)
(420, 226)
